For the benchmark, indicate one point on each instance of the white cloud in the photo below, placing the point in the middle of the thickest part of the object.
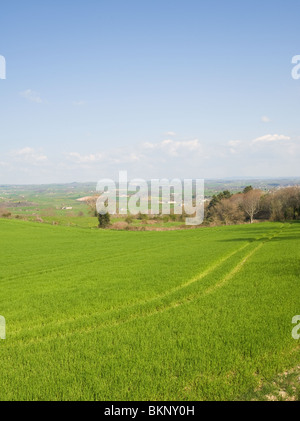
(29, 155)
(173, 148)
(265, 119)
(84, 159)
(31, 96)
(270, 138)
(268, 155)
(124, 158)
(79, 103)
(170, 134)
(149, 145)
(141, 156)
(116, 156)
(234, 142)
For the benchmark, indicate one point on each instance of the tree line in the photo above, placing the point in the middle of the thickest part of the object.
(253, 204)
(226, 208)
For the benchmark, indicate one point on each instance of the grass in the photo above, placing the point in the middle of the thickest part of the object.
(200, 314)
(283, 387)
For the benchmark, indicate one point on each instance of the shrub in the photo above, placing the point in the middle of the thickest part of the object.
(166, 218)
(142, 216)
(129, 219)
(121, 225)
(4, 213)
(104, 220)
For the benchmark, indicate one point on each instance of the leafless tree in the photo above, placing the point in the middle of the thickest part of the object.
(285, 204)
(91, 202)
(251, 203)
(228, 211)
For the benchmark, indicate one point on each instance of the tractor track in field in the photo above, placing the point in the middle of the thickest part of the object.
(31, 274)
(143, 312)
(196, 278)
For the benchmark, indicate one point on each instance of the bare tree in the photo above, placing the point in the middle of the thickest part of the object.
(227, 211)
(91, 202)
(292, 202)
(285, 204)
(251, 203)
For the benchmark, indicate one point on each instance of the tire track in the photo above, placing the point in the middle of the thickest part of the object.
(144, 312)
(8, 279)
(194, 279)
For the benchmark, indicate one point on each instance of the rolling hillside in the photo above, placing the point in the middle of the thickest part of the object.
(199, 314)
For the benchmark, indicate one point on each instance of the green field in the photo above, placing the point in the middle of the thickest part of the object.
(202, 314)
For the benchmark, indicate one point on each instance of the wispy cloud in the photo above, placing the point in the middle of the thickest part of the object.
(265, 119)
(263, 147)
(79, 103)
(142, 156)
(85, 159)
(175, 148)
(234, 142)
(31, 96)
(112, 156)
(28, 155)
(270, 138)
(263, 155)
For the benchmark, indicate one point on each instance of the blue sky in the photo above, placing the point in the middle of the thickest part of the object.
(181, 88)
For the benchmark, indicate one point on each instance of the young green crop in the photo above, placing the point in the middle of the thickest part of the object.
(200, 314)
